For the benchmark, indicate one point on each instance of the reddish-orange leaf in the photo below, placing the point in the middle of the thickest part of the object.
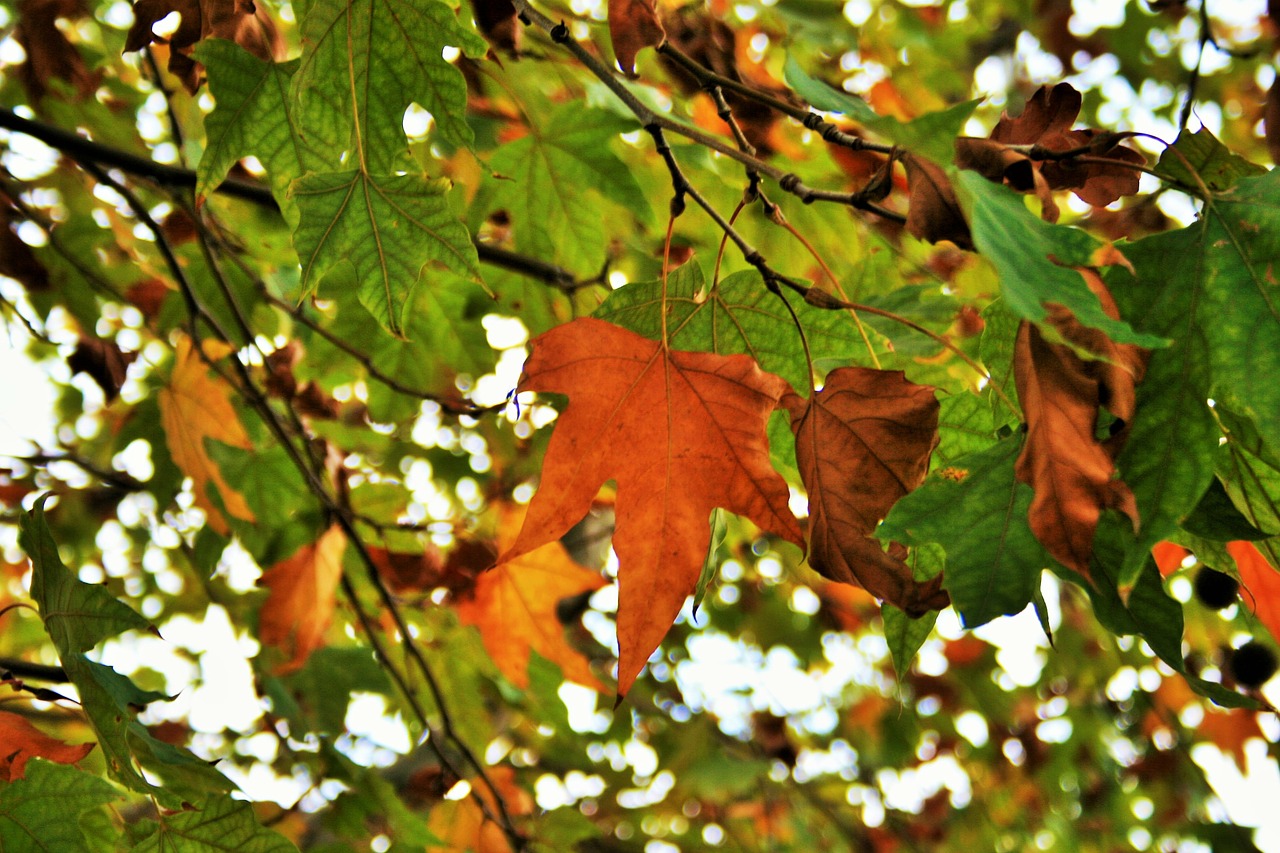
(514, 606)
(20, 742)
(1230, 730)
(681, 433)
(862, 442)
(242, 21)
(633, 25)
(1069, 468)
(1261, 584)
(461, 825)
(1169, 557)
(196, 407)
(301, 598)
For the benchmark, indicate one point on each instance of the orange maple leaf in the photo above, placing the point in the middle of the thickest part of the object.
(681, 433)
(301, 598)
(1062, 460)
(196, 407)
(20, 742)
(461, 825)
(1261, 582)
(514, 606)
(862, 442)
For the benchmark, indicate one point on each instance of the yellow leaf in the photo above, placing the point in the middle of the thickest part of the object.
(300, 604)
(193, 408)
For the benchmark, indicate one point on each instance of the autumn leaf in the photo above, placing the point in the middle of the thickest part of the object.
(20, 742)
(50, 54)
(1261, 584)
(496, 19)
(862, 442)
(462, 825)
(514, 606)
(300, 600)
(934, 213)
(633, 25)
(195, 407)
(244, 22)
(681, 433)
(1168, 557)
(1063, 461)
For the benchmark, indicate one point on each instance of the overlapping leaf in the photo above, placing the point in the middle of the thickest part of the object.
(977, 511)
(514, 606)
(385, 230)
(863, 442)
(365, 61)
(195, 407)
(220, 824)
(681, 433)
(41, 813)
(254, 116)
(1063, 461)
(555, 174)
(633, 25)
(240, 21)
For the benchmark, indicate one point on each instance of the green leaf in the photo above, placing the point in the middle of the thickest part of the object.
(739, 316)
(932, 135)
(555, 174)
(222, 825)
(995, 350)
(977, 511)
(385, 230)
(40, 813)
(1149, 612)
(964, 427)
(711, 566)
(364, 62)
(1216, 518)
(1035, 259)
(1250, 472)
(77, 617)
(1201, 155)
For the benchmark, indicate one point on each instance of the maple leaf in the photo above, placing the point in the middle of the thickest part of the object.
(301, 598)
(514, 606)
(862, 442)
(1063, 461)
(20, 742)
(194, 408)
(242, 21)
(633, 24)
(681, 433)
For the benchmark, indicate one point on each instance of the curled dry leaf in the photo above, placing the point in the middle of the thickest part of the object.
(20, 742)
(934, 213)
(862, 442)
(681, 433)
(300, 601)
(497, 22)
(244, 22)
(104, 362)
(633, 25)
(1069, 468)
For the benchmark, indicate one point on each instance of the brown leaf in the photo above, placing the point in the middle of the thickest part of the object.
(1271, 121)
(934, 213)
(1063, 461)
(195, 407)
(242, 21)
(497, 22)
(301, 598)
(514, 606)
(17, 260)
(1046, 122)
(104, 362)
(681, 433)
(863, 442)
(50, 55)
(20, 742)
(633, 25)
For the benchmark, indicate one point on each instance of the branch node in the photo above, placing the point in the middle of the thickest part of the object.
(560, 33)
